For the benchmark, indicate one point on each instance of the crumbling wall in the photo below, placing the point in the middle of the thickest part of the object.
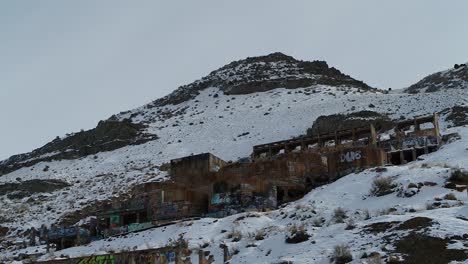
(157, 256)
(195, 170)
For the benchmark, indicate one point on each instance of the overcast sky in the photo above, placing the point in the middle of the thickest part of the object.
(65, 65)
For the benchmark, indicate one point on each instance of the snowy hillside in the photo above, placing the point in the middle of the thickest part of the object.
(379, 222)
(215, 119)
(455, 78)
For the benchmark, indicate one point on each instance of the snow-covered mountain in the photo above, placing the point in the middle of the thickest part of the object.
(245, 103)
(455, 78)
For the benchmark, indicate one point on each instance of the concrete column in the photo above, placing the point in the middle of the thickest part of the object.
(373, 139)
(413, 153)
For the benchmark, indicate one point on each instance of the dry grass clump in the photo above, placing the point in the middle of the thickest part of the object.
(382, 186)
(342, 254)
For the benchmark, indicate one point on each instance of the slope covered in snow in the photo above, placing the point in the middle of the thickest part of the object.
(455, 78)
(215, 119)
(371, 224)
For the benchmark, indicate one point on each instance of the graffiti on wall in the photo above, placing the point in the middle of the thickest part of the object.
(107, 259)
(66, 232)
(136, 257)
(127, 228)
(413, 142)
(351, 156)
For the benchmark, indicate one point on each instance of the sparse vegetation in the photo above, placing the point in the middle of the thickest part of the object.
(339, 215)
(350, 224)
(260, 235)
(297, 235)
(459, 176)
(382, 186)
(450, 196)
(366, 214)
(235, 234)
(318, 222)
(342, 254)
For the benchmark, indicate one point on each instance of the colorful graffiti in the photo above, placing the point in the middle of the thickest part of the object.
(165, 257)
(55, 233)
(106, 259)
(351, 156)
(153, 256)
(224, 204)
(128, 228)
(413, 142)
(174, 210)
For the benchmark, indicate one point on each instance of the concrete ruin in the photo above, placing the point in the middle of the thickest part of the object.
(165, 255)
(278, 172)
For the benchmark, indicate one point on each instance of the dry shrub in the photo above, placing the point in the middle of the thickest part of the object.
(235, 234)
(382, 186)
(450, 196)
(342, 254)
(297, 235)
(339, 215)
(459, 176)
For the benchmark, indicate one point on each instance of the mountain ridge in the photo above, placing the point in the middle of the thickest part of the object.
(245, 76)
(454, 78)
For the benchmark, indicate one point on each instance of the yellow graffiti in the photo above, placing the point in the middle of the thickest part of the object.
(108, 259)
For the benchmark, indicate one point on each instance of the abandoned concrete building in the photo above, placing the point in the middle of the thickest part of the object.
(278, 172)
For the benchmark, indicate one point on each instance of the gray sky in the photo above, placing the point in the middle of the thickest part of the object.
(65, 65)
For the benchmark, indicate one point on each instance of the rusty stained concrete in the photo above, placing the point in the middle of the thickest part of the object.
(279, 172)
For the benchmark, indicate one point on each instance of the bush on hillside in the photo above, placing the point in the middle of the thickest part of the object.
(339, 215)
(459, 176)
(382, 186)
(342, 254)
(297, 235)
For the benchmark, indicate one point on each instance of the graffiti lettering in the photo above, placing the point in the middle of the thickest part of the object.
(107, 259)
(351, 156)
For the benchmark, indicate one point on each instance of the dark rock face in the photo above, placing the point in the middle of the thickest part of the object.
(264, 73)
(458, 115)
(26, 188)
(450, 79)
(422, 248)
(331, 123)
(108, 135)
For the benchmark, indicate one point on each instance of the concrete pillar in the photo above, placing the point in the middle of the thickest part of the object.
(436, 127)
(78, 237)
(226, 255)
(286, 148)
(354, 136)
(416, 124)
(201, 257)
(373, 139)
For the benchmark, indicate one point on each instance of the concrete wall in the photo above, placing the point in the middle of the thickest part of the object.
(157, 256)
(195, 170)
(342, 161)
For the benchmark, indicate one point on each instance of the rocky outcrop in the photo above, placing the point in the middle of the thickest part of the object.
(457, 115)
(332, 123)
(456, 78)
(259, 74)
(108, 135)
(26, 188)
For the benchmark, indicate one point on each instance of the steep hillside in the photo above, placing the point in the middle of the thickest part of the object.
(107, 136)
(419, 221)
(221, 118)
(455, 78)
(251, 75)
(264, 73)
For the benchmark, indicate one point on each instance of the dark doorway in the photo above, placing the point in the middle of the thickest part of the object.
(279, 195)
